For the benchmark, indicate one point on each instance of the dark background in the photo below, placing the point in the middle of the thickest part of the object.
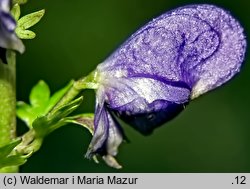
(211, 135)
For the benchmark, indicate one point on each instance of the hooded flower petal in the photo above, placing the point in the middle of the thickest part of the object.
(8, 38)
(171, 60)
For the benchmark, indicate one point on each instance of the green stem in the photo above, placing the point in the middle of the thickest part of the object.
(8, 103)
(88, 82)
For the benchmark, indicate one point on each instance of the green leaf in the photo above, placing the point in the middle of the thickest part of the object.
(25, 34)
(16, 12)
(39, 98)
(45, 114)
(40, 94)
(42, 103)
(14, 160)
(30, 19)
(8, 157)
(26, 113)
(6, 150)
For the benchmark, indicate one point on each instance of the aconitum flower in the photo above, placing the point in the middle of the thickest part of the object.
(8, 38)
(168, 62)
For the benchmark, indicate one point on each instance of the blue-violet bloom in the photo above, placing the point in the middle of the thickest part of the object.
(173, 59)
(8, 38)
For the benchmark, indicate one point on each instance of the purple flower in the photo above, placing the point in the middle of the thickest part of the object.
(171, 60)
(8, 38)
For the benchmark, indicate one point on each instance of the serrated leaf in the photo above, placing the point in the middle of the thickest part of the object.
(15, 11)
(41, 104)
(25, 34)
(30, 20)
(40, 94)
(25, 112)
(39, 98)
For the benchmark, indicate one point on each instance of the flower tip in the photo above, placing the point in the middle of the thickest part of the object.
(90, 154)
(41, 13)
(111, 161)
(21, 48)
(95, 159)
(108, 159)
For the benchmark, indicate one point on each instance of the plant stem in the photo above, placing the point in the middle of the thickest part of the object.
(88, 82)
(8, 103)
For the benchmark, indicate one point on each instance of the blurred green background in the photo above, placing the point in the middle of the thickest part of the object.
(211, 135)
